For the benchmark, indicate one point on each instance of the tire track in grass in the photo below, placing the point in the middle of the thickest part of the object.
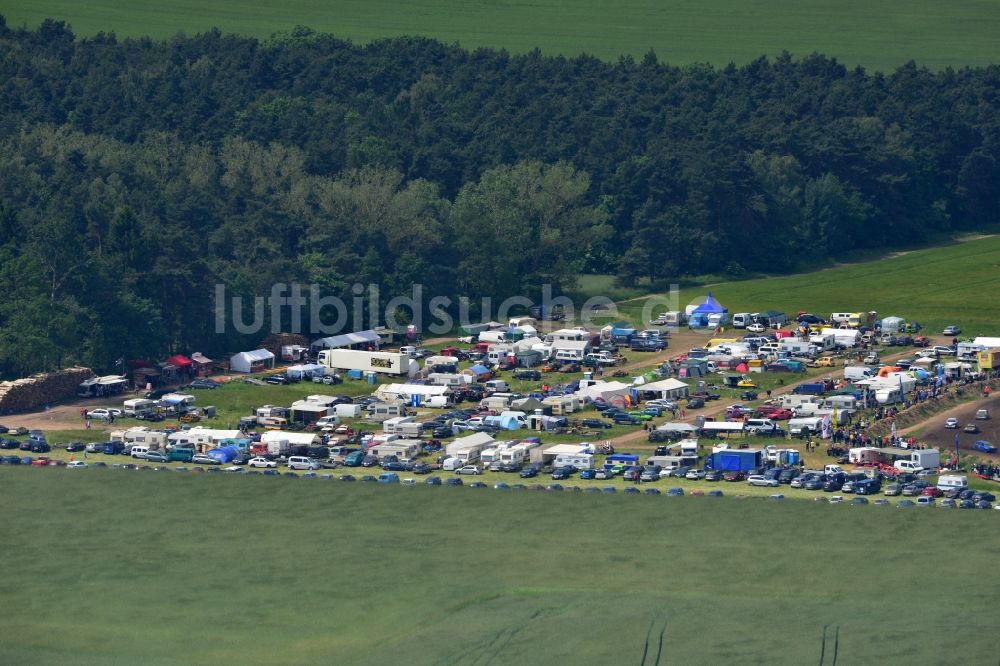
(645, 647)
(510, 636)
(822, 646)
(836, 644)
(659, 649)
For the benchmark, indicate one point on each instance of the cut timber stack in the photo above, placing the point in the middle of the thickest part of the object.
(274, 342)
(41, 389)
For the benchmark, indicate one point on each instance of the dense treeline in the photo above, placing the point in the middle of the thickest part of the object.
(136, 175)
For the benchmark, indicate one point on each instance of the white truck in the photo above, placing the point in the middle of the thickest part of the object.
(389, 363)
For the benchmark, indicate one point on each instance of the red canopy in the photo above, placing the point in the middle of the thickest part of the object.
(179, 360)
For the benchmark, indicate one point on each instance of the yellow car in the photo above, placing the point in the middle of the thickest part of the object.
(824, 362)
(746, 383)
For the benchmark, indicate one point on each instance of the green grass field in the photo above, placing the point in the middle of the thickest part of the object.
(876, 35)
(935, 286)
(111, 567)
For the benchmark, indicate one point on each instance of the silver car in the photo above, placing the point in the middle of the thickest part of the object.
(695, 474)
(761, 480)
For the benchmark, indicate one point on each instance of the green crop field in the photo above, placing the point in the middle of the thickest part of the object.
(936, 287)
(878, 35)
(114, 567)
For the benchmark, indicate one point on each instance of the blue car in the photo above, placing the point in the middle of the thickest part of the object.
(984, 446)
(588, 474)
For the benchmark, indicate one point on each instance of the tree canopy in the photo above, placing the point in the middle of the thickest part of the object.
(137, 174)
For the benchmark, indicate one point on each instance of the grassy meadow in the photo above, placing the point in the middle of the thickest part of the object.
(126, 567)
(937, 286)
(876, 35)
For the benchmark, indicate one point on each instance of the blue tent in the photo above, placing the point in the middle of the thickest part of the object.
(710, 306)
(479, 370)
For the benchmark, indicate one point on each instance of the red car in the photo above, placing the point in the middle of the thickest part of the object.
(40, 461)
(921, 341)
(734, 476)
(780, 414)
(932, 491)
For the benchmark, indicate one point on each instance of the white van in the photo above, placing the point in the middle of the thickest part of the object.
(302, 462)
(497, 386)
(908, 466)
(759, 426)
(451, 464)
(569, 354)
(138, 451)
(327, 422)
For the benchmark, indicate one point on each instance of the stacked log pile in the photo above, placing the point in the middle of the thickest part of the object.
(274, 342)
(41, 389)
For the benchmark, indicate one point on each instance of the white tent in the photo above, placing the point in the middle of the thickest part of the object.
(666, 388)
(251, 361)
(293, 438)
(892, 324)
(604, 390)
(348, 340)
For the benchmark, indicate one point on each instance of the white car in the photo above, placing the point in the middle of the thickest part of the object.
(468, 469)
(261, 462)
(951, 423)
(761, 480)
(695, 474)
(102, 414)
(756, 328)
(76, 464)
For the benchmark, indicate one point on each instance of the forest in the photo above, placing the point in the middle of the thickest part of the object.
(136, 175)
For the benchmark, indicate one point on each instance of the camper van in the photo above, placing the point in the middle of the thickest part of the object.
(948, 482)
(382, 411)
(805, 426)
(139, 407)
(577, 460)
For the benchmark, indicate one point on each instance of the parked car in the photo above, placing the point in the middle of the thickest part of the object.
(951, 330)
(156, 456)
(204, 459)
(468, 469)
(203, 383)
(562, 473)
(260, 461)
(595, 423)
(528, 375)
(761, 480)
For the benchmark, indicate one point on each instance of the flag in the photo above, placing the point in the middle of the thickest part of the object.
(958, 455)
(894, 430)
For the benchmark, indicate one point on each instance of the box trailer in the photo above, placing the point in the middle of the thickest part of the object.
(388, 363)
(735, 460)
